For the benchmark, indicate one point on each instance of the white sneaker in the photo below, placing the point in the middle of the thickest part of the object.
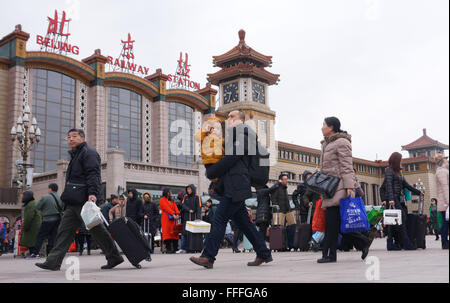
(181, 251)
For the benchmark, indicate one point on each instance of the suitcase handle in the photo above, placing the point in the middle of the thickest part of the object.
(309, 215)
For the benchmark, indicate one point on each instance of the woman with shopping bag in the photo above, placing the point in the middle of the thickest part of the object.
(337, 171)
(392, 191)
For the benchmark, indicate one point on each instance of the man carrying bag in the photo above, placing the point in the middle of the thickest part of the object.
(83, 183)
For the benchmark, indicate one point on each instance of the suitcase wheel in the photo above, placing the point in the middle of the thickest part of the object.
(138, 266)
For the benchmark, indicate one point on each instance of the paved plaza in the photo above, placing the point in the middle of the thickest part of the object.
(429, 266)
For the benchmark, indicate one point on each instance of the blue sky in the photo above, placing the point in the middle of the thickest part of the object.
(382, 67)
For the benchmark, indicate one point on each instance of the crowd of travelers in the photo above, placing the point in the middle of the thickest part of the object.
(232, 174)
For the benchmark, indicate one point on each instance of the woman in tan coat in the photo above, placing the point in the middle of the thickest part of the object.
(442, 181)
(337, 161)
(118, 211)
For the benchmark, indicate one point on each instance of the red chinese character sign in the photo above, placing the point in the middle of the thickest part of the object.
(57, 38)
(125, 62)
(181, 79)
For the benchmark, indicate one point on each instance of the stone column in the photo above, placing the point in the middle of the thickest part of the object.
(160, 133)
(61, 172)
(115, 171)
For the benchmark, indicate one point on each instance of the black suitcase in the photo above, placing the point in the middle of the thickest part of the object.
(194, 242)
(416, 226)
(131, 240)
(303, 234)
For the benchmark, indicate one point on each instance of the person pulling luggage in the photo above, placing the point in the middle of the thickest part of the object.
(83, 183)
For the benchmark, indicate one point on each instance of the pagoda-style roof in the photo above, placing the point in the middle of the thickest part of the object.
(243, 69)
(424, 142)
(242, 53)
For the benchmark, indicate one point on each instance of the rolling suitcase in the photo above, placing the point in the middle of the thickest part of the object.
(277, 238)
(416, 226)
(147, 234)
(277, 234)
(303, 234)
(130, 239)
(194, 241)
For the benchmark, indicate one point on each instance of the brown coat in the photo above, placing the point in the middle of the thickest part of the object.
(336, 160)
(118, 211)
(442, 186)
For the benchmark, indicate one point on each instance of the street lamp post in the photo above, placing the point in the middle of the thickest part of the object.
(27, 134)
(419, 185)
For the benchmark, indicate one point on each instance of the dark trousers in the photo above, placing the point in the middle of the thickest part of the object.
(330, 243)
(70, 223)
(81, 238)
(398, 232)
(48, 230)
(356, 239)
(444, 230)
(263, 230)
(238, 214)
(171, 245)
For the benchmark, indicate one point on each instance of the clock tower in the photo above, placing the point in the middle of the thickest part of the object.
(243, 85)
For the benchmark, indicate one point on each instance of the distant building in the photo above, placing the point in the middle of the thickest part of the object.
(130, 121)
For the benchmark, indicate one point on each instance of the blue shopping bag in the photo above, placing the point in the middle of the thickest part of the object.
(353, 215)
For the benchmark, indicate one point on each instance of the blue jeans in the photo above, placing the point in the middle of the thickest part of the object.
(238, 213)
(444, 230)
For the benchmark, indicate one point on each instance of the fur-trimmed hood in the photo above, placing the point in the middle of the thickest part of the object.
(336, 136)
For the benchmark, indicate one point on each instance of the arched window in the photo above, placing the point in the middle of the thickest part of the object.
(53, 105)
(181, 135)
(124, 122)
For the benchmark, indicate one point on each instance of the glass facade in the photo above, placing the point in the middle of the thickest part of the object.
(53, 106)
(124, 122)
(181, 135)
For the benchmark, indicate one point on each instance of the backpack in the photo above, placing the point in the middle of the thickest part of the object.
(258, 168)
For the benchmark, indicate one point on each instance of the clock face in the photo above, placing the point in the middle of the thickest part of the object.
(230, 93)
(258, 91)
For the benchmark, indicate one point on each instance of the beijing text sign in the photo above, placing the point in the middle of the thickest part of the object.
(57, 38)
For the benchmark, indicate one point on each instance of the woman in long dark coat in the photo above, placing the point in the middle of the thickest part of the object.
(31, 222)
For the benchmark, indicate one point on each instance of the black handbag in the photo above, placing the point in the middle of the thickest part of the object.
(323, 184)
(75, 194)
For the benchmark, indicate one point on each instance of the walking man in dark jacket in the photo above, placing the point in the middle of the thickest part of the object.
(134, 206)
(233, 170)
(280, 197)
(51, 208)
(152, 218)
(83, 183)
(191, 210)
(110, 203)
(304, 198)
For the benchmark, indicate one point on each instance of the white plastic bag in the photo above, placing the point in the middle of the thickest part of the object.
(392, 217)
(91, 215)
(446, 214)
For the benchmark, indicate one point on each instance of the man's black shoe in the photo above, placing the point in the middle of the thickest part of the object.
(326, 260)
(112, 264)
(45, 266)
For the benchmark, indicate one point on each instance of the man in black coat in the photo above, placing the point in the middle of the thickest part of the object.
(134, 206)
(240, 144)
(152, 218)
(83, 183)
(304, 198)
